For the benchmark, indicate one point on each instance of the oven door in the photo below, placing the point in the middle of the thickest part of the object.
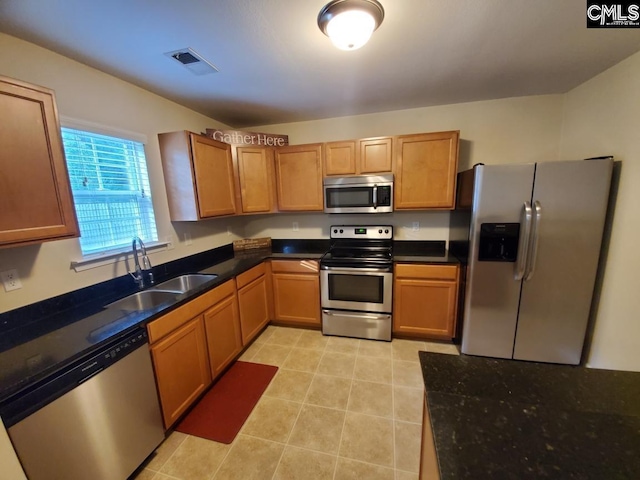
(360, 289)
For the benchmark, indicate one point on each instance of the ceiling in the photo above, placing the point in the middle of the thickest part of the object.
(277, 67)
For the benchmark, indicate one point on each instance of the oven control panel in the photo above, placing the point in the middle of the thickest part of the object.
(366, 232)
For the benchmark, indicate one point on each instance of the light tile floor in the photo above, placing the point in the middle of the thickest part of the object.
(338, 409)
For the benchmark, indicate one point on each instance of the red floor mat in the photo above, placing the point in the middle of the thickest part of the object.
(220, 414)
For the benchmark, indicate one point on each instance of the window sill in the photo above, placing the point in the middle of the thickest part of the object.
(112, 256)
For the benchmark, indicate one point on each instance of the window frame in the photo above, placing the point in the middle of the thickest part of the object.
(110, 256)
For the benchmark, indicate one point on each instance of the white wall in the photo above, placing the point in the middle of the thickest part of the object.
(87, 94)
(602, 117)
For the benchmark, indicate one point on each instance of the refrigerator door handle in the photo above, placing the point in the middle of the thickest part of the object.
(535, 236)
(523, 243)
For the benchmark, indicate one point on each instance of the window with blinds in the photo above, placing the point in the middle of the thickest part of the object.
(110, 188)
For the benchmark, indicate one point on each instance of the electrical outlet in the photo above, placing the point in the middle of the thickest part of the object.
(295, 226)
(228, 230)
(11, 280)
(187, 238)
(416, 226)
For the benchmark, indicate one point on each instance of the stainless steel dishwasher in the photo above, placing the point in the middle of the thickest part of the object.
(98, 419)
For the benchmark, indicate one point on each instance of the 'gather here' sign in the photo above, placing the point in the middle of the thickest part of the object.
(238, 137)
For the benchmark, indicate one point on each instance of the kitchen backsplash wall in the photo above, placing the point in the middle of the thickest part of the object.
(431, 225)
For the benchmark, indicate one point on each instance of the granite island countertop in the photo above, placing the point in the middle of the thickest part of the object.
(494, 418)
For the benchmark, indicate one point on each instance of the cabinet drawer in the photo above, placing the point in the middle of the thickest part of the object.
(294, 266)
(181, 315)
(440, 272)
(250, 275)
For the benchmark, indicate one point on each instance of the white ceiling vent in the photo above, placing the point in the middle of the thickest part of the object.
(190, 59)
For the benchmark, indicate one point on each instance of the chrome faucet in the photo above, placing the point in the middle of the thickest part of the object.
(138, 276)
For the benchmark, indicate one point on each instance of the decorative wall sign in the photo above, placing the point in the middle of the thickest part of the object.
(238, 137)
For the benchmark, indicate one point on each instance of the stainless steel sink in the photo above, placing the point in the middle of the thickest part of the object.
(145, 300)
(185, 283)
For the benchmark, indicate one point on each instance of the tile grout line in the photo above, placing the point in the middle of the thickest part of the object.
(344, 422)
(240, 432)
(299, 411)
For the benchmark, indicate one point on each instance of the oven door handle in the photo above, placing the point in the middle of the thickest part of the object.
(356, 315)
(357, 270)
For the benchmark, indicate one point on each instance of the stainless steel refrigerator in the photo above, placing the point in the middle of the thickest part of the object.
(534, 235)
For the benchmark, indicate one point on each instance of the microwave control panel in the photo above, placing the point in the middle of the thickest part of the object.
(384, 196)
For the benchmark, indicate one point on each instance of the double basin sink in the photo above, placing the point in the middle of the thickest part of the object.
(162, 293)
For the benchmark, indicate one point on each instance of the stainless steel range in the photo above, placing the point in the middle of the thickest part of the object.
(356, 282)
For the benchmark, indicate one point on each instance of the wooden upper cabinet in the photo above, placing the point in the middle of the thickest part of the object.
(299, 178)
(36, 204)
(355, 157)
(425, 170)
(340, 158)
(198, 174)
(375, 155)
(255, 179)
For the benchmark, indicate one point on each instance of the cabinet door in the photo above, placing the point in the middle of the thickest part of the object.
(224, 341)
(425, 308)
(254, 308)
(299, 177)
(36, 203)
(255, 173)
(182, 369)
(375, 155)
(425, 170)
(296, 298)
(213, 170)
(340, 158)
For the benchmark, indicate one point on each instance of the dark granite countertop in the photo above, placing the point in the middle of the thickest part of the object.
(509, 419)
(422, 252)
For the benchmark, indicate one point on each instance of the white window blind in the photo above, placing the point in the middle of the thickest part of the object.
(111, 191)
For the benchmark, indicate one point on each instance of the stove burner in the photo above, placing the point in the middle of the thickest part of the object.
(359, 246)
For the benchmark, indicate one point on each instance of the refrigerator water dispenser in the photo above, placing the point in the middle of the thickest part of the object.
(499, 242)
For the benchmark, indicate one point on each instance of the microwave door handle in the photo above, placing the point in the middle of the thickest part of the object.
(375, 196)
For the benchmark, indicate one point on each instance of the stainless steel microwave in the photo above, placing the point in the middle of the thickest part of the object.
(358, 194)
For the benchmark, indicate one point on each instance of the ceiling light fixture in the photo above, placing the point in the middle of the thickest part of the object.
(350, 23)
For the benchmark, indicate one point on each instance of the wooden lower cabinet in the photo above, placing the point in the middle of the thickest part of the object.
(425, 300)
(224, 341)
(182, 368)
(296, 292)
(253, 302)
